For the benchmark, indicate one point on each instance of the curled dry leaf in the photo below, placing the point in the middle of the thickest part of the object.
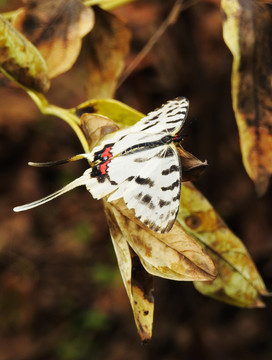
(192, 167)
(20, 59)
(96, 127)
(247, 31)
(175, 255)
(238, 281)
(142, 253)
(106, 48)
(56, 28)
(138, 283)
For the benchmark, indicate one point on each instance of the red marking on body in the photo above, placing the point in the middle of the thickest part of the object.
(103, 167)
(175, 138)
(106, 153)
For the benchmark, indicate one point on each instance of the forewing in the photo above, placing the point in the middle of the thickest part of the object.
(168, 119)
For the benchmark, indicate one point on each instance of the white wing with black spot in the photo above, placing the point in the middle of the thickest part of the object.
(136, 164)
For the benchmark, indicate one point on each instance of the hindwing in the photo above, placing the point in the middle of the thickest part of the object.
(149, 182)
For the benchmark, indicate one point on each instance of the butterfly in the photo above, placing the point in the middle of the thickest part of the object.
(139, 164)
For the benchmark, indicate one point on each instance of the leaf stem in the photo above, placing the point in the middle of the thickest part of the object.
(107, 4)
(11, 14)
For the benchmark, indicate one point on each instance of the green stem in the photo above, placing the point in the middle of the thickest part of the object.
(71, 119)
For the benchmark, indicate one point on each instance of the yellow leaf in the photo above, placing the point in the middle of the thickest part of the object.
(20, 59)
(238, 281)
(121, 114)
(247, 32)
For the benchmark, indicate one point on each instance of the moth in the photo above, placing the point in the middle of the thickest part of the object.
(139, 164)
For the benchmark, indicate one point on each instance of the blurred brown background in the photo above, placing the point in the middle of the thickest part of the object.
(61, 295)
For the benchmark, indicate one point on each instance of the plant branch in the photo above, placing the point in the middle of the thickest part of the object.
(170, 20)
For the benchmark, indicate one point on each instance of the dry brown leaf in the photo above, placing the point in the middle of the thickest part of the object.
(175, 255)
(247, 31)
(142, 253)
(20, 59)
(56, 28)
(96, 127)
(138, 283)
(106, 48)
(192, 167)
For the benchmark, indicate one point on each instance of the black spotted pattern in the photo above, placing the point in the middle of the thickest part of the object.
(170, 187)
(144, 181)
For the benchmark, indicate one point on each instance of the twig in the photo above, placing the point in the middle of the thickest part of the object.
(170, 20)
